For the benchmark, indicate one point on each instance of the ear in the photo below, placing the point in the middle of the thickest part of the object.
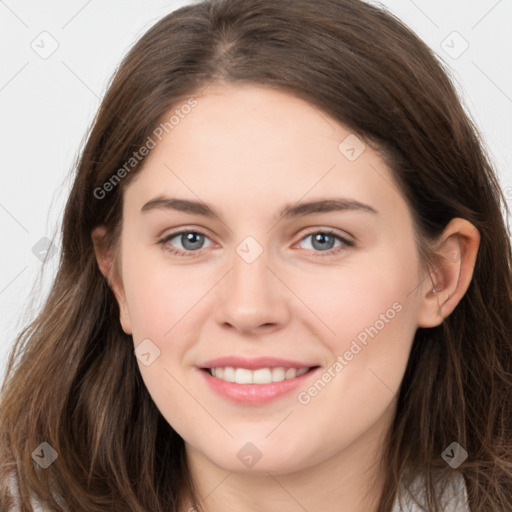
(450, 280)
(106, 263)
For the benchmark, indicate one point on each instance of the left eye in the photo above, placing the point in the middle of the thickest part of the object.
(324, 241)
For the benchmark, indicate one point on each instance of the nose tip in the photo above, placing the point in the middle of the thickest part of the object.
(251, 298)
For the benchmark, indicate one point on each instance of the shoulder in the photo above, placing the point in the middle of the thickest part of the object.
(453, 499)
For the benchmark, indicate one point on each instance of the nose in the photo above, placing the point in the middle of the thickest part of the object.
(251, 298)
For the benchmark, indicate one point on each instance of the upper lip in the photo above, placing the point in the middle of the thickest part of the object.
(254, 363)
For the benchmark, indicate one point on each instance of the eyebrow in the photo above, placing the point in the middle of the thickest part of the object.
(289, 211)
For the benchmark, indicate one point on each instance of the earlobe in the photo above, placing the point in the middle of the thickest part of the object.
(449, 281)
(105, 260)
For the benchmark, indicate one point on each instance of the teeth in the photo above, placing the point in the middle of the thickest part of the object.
(259, 376)
(290, 373)
(229, 374)
(243, 376)
(278, 374)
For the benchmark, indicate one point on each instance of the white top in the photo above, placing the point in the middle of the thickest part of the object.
(454, 499)
(15, 496)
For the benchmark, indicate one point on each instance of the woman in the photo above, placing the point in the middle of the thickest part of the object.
(201, 350)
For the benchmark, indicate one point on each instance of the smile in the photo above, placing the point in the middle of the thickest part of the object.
(253, 387)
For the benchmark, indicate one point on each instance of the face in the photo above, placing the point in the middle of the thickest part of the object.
(262, 234)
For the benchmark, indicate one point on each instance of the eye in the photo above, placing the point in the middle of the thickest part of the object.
(190, 242)
(324, 242)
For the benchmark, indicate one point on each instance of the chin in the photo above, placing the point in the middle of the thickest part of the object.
(260, 458)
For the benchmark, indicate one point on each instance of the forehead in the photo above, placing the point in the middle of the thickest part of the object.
(240, 144)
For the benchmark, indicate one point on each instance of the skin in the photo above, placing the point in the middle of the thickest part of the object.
(248, 151)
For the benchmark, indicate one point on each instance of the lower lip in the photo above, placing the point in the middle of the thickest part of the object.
(254, 393)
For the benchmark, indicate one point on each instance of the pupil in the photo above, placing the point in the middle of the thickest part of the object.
(191, 238)
(321, 238)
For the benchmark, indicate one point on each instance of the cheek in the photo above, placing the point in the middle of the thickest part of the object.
(364, 296)
(163, 303)
(159, 295)
(372, 314)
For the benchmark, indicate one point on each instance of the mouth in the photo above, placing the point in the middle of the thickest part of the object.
(255, 380)
(265, 375)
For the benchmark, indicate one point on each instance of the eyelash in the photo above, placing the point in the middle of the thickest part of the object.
(190, 254)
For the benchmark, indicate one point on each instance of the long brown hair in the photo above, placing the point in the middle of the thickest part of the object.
(73, 381)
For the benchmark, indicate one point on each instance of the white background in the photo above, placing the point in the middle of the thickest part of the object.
(48, 104)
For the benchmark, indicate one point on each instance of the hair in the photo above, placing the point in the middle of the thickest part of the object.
(72, 378)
